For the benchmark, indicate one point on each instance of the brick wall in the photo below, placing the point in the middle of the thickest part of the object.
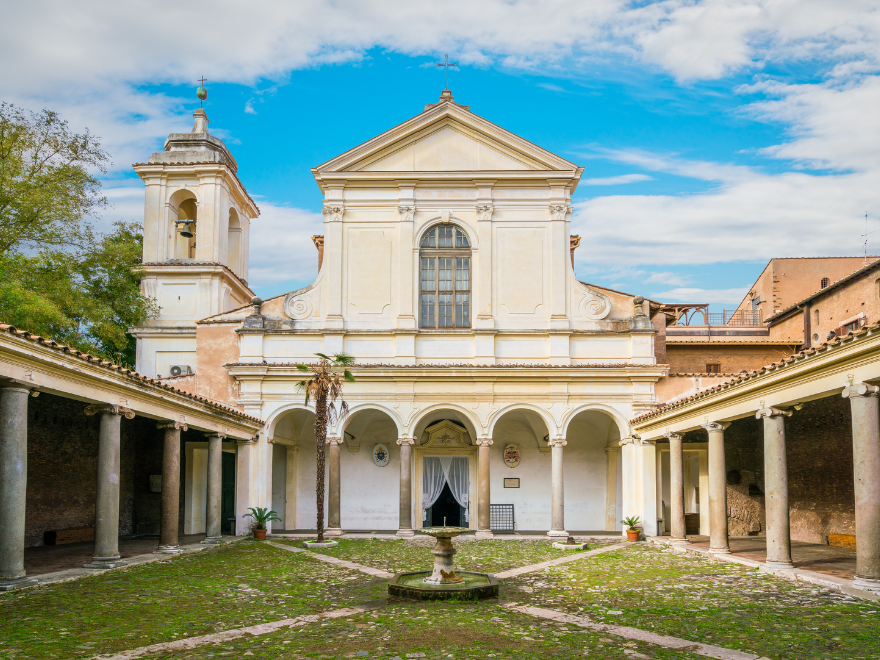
(63, 468)
(693, 358)
(820, 472)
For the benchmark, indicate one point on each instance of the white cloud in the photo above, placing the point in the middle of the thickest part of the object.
(283, 256)
(249, 107)
(615, 180)
(666, 277)
(693, 295)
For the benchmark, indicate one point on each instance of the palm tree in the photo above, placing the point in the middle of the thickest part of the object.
(324, 385)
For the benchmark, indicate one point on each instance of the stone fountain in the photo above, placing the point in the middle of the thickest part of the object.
(443, 583)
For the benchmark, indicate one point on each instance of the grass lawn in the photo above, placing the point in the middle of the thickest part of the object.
(250, 583)
(398, 555)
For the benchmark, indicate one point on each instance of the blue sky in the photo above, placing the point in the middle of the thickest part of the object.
(714, 135)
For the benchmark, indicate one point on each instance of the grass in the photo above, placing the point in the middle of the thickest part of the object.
(249, 583)
(398, 555)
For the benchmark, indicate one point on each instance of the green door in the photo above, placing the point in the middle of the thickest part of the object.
(227, 500)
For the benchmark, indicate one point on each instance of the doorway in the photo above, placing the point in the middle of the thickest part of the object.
(445, 509)
(227, 495)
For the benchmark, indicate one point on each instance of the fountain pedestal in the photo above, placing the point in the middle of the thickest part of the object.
(443, 583)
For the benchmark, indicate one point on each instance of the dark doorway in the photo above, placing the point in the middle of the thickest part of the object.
(445, 507)
(227, 497)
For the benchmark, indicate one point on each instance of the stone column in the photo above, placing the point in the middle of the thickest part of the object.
(484, 529)
(405, 527)
(776, 488)
(13, 480)
(107, 501)
(676, 489)
(557, 518)
(866, 468)
(168, 542)
(334, 526)
(718, 541)
(213, 507)
(611, 454)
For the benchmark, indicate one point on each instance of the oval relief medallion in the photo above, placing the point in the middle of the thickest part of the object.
(381, 455)
(511, 456)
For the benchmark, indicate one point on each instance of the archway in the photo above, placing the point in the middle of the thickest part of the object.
(445, 469)
(369, 471)
(234, 243)
(183, 206)
(526, 486)
(294, 459)
(592, 471)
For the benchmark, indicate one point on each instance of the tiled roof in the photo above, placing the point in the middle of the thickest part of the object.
(808, 353)
(110, 366)
(821, 292)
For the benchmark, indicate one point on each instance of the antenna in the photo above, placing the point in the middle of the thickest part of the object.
(865, 236)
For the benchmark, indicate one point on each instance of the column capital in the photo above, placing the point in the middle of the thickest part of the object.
(557, 442)
(629, 440)
(334, 440)
(170, 424)
(860, 390)
(483, 442)
(216, 434)
(406, 212)
(672, 436)
(109, 409)
(406, 441)
(773, 412)
(715, 426)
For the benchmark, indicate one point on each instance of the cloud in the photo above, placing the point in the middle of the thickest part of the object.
(283, 257)
(693, 295)
(615, 180)
(249, 107)
(552, 87)
(665, 277)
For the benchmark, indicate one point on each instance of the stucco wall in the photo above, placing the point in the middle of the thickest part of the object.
(218, 345)
(693, 358)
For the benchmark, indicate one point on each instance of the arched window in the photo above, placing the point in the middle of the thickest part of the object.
(445, 291)
(825, 282)
(816, 314)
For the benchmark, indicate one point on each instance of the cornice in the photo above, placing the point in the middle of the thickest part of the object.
(181, 267)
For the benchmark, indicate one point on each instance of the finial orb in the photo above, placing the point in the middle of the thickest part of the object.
(202, 93)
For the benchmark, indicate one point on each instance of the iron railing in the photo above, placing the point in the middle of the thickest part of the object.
(740, 318)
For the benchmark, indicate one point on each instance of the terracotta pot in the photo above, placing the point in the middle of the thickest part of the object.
(259, 534)
(631, 534)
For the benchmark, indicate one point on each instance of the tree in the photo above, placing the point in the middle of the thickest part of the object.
(324, 385)
(58, 277)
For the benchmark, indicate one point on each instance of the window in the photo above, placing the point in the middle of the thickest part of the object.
(445, 267)
(825, 282)
(852, 327)
(713, 368)
(816, 315)
(755, 302)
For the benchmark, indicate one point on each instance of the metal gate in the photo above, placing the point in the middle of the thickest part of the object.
(501, 518)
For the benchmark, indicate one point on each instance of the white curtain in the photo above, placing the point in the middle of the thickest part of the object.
(433, 479)
(455, 469)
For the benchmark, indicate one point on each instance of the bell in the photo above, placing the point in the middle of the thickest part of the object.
(183, 227)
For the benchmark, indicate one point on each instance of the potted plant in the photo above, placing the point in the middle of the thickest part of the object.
(261, 516)
(633, 531)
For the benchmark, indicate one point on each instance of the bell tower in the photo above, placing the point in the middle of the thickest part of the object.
(197, 217)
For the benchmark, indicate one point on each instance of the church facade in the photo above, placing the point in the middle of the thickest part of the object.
(493, 389)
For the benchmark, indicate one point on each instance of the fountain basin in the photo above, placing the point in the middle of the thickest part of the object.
(473, 586)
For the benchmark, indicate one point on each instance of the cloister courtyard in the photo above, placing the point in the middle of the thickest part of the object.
(275, 599)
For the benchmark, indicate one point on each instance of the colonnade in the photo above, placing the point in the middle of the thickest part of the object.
(14, 398)
(866, 466)
(405, 524)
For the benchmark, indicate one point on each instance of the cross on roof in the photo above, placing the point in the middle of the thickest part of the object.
(447, 64)
(203, 80)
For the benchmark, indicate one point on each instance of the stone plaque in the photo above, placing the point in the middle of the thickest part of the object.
(511, 482)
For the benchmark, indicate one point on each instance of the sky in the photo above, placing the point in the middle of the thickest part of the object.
(715, 134)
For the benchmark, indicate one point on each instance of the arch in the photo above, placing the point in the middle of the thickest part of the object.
(429, 224)
(549, 422)
(277, 415)
(182, 194)
(340, 427)
(621, 422)
(183, 204)
(471, 421)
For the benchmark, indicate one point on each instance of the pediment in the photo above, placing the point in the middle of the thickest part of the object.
(446, 138)
(446, 435)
